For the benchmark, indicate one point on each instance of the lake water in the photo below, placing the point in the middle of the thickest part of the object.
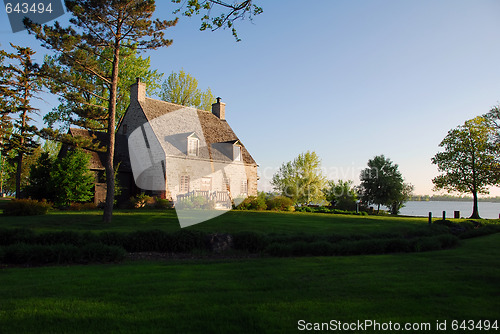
(422, 208)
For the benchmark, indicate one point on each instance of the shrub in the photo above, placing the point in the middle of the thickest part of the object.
(148, 241)
(26, 207)
(188, 240)
(279, 249)
(63, 237)
(96, 252)
(426, 244)
(321, 248)
(27, 254)
(60, 254)
(303, 209)
(397, 245)
(252, 242)
(448, 241)
(82, 206)
(140, 201)
(196, 202)
(280, 203)
(113, 238)
(162, 203)
(253, 203)
(14, 236)
(488, 229)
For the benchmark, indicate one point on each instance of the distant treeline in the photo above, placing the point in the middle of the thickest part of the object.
(452, 198)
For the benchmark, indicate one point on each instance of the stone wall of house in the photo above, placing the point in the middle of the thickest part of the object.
(200, 171)
(133, 118)
(100, 193)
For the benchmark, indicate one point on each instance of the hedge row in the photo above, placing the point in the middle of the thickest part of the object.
(22, 253)
(26, 207)
(24, 246)
(139, 241)
(362, 247)
(324, 209)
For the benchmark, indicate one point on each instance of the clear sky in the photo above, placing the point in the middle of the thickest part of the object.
(347, 79)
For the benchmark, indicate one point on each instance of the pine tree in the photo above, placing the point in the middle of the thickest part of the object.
(20, 84)
(100, 28)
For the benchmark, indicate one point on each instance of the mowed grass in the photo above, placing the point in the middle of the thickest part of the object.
(233, 221)
(266, 295)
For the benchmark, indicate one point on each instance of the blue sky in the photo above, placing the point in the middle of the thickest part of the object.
(347, 79)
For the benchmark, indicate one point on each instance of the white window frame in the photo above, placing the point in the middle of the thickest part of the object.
(193, 147)
(236, 152)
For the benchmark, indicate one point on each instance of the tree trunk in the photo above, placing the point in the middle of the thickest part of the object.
(475, 210)
(110, 172)
(18, 174)
(20, 154)
(378, 208)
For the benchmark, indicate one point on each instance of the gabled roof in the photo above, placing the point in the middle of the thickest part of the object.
(98, 159)
(214, 129)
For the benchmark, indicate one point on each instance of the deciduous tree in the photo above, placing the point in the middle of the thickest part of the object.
(468, 162)
(383, 184)
(182, 88)
(341, 194)
(301, 179)
(218, 14)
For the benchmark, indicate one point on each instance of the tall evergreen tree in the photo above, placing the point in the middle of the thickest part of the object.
(132, 66)
(20, 84)
(100, 28)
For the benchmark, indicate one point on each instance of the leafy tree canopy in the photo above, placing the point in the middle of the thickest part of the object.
(468, 162)
(218, 14)
(383, 184)
(341, 194)
(301, 179)
(182, 88)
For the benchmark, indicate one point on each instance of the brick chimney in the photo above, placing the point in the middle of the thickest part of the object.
(219, 109)
(138, 91)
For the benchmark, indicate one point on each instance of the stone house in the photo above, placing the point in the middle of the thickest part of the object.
(174, 152)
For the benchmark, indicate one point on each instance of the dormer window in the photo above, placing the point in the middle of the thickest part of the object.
(193, 145)
(237, 153)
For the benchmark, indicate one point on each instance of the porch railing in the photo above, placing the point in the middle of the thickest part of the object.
(221, 198)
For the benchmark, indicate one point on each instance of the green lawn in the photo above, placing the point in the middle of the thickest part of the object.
(261, 295)
(256, 295)
(268, 222)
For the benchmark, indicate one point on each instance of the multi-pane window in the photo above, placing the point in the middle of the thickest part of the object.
(237, 153)
(193, 144)
(184, 185)
(206, 184)
(244, 187)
